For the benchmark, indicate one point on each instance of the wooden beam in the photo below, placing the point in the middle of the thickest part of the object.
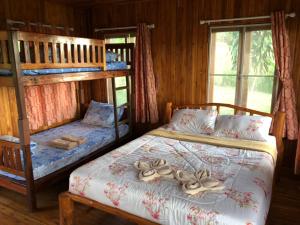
(24, 131)
(68, 77)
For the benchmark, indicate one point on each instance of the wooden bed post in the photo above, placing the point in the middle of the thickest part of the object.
(24, 132)
(113, 84)
(168, 112)
(66, 209)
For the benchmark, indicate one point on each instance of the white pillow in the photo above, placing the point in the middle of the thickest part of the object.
(194, 121)
(243, 127)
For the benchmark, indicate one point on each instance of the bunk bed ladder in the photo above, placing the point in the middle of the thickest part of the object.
(127, 87)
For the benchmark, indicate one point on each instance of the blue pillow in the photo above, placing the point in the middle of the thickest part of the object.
(101, 114)
(111, 56)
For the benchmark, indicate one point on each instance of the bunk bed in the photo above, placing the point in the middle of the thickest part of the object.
(31, 59)
(246, 175)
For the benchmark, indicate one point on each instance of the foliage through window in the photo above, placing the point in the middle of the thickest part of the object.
(242, 67)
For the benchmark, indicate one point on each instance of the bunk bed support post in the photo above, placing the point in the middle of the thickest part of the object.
(113, 83)
(24, 132)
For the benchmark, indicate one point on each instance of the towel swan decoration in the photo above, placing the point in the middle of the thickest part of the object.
(192, 183)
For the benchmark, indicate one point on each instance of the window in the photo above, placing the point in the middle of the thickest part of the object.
(120, 82)
(242, 67)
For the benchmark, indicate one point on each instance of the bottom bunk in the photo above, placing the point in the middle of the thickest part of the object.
(47, 159)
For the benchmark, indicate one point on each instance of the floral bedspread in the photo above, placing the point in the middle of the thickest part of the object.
(247, 176)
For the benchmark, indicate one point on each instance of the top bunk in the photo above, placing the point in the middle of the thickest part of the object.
(46, 59)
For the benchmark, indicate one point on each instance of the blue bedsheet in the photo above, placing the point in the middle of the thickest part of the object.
(46, 159)
(109, 66)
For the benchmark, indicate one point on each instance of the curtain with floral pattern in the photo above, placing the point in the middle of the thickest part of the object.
(144, 80)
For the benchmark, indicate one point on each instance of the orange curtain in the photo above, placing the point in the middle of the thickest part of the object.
(50, 104)
(145, 89)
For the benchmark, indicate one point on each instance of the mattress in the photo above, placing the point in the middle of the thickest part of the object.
(109, 66)
(46, 159)
(247, 175)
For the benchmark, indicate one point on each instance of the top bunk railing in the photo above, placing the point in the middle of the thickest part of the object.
(125, 52)
(41, 51)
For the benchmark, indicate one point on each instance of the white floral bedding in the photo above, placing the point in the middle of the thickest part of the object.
(247, 175)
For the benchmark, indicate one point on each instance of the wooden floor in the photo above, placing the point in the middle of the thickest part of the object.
(285, 208)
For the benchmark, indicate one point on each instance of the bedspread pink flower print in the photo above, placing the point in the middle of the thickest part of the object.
(199, 216)
(243, 199)
(114, 192)
(154, 204)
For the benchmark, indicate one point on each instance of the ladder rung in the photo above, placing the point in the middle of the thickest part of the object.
(123, 121)
(125, 104)
(121, 88)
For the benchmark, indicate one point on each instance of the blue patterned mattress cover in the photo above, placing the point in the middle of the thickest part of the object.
(46, 159)
(109, 66)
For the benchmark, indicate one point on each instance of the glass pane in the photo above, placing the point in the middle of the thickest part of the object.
(120, 81)
(258, 71)
(121, 97)
(259, 93)
(259, 55)
(224, 52)
(119, 40)
(224, 88)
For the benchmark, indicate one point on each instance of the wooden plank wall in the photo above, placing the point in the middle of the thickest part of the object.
(45, 12)
(180, 44)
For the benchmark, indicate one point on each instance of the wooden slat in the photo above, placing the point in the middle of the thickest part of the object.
(27, 52)
(46, 54)
(37, 52)
(54, 53)
(4, 51)
(61, 52)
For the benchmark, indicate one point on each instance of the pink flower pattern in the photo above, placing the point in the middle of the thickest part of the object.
(117, 169)
(199, 216)
(154, 204)
(254, 125)
(114, 192)
(262, 184)
(79, 184)
(244, 199)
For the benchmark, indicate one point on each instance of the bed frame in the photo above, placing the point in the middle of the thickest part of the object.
(23, 50)
(67, 199)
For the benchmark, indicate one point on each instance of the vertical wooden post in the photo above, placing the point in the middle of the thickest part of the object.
(113, 83)
(168, 112)
(66, 209)
(24, 132)
(129, 105)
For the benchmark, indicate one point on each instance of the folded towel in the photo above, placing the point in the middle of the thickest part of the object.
(60, 143)
(16, 140)
(194, 183)
(154, 169)
(78, 140)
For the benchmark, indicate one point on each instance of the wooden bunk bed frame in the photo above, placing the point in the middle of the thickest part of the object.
(67, 200)
(23, 50)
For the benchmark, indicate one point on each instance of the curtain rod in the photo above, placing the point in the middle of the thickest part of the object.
(16, 22)
(243, 18)
(150, 26)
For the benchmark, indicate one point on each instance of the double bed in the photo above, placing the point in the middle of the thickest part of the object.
(246, 169)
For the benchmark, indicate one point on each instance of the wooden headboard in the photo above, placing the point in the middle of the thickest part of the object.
(278, 119)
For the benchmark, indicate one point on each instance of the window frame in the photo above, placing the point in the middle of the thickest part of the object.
(242, 29)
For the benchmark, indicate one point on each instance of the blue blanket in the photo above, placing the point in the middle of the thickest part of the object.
(109, 66)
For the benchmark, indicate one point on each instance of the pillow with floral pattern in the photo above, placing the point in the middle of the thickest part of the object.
(193, 121)
(243, 127)
(101, 114)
